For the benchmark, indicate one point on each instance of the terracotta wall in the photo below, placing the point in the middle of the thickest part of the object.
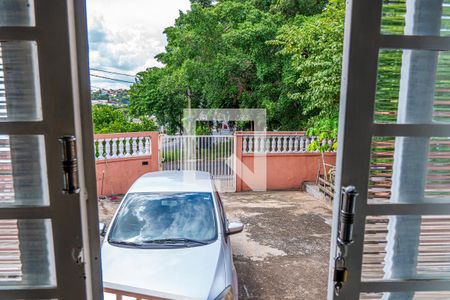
(115, 176)
(284, 171)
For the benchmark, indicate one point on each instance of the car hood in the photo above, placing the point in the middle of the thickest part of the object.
(173, 273)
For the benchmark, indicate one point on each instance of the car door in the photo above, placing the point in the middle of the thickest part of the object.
(226, 244)
(224, 224)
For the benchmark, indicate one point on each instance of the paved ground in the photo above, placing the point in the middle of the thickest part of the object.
(283, 251)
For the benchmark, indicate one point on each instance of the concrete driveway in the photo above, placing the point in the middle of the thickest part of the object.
(283, 251)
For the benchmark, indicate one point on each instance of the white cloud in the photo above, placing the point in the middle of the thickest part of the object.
(125, 35)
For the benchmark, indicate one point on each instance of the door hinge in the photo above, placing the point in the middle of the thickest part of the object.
(69, 164)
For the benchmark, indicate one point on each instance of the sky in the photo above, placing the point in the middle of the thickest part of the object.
(125, 35)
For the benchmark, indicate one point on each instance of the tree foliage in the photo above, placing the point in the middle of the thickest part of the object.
(315, 46)
(324, 129)
(281, 55)
(109, 119)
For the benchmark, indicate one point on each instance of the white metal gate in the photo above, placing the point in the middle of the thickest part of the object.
(213, 154)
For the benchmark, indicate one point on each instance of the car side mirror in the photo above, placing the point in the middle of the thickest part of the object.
(102, 229)
(234, 227)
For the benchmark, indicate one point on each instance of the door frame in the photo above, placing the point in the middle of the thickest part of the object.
(85, 129)
(61, 36)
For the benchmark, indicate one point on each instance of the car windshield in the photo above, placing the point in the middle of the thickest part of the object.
(146, 218)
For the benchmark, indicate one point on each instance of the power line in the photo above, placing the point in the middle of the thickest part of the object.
(111, 72)
(113, 79)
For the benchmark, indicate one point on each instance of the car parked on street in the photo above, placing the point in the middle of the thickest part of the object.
(170, 239)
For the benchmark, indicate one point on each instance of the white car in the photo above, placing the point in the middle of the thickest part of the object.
(170, 239)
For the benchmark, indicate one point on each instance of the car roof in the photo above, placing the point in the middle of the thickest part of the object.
(173, 181)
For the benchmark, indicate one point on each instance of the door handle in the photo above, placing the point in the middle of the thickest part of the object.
(347, 215)
(69, 164)
(345, 235)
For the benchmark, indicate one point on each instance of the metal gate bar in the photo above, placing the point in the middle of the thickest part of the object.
(213, 154)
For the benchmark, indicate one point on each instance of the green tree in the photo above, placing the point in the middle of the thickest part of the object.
(315, 45)
(291, 8)
(108, 119)
(159, 93)
(244, 54)
(204, 3)
(324, 129)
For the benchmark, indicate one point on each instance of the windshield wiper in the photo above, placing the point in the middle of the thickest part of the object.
(174, 240)
(124, 243)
